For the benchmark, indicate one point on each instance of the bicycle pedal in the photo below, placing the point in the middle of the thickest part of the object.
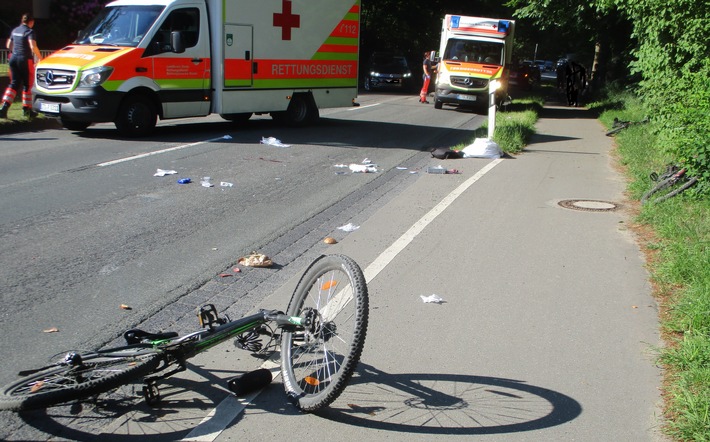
(208, 316)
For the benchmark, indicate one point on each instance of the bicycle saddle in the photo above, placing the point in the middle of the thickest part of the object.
(136, 336)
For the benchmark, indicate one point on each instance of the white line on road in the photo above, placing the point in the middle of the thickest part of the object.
(217, 420)
(227, 410)
(389, 254)
(363, 107)
(157, 152)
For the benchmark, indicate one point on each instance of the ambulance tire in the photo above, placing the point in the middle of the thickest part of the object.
(301, 111)
(136, 117)
(238, 119)
(438, 104)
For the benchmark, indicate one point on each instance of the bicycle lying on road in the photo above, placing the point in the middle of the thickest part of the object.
(672, 182)
(618, 125)
(322, 337)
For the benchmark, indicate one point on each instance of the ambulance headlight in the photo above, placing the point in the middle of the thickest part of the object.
(95, 76)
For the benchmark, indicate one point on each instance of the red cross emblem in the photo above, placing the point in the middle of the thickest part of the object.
(286, 20)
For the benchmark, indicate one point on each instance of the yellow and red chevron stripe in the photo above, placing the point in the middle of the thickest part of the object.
(342, 44)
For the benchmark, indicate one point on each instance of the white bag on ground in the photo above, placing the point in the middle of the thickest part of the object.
(482, 148)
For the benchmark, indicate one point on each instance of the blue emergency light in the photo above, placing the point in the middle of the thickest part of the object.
(503, 26)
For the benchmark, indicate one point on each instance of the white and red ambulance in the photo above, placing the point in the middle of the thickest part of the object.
(473, 52)
(140, 60)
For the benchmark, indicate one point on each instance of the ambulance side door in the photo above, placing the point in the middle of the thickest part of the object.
(238, 55)
(183, 78)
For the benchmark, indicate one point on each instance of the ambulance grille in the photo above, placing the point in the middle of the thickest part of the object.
(469, 82)
(55, 79)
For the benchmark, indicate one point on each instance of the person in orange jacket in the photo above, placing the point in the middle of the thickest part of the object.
(24, 50)
(427, 67)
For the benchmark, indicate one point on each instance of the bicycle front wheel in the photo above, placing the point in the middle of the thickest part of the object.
(77, 377)
(666, 189)
(317, 363)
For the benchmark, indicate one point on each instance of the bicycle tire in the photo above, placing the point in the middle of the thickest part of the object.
(615, 130)
(667, 183)
(98, 373)
(317, 365)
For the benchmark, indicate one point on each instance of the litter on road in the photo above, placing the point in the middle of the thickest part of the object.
(271, 141)
(432, 299)
(162, 172)
(255, 260)
(349, 227)
(482, 148)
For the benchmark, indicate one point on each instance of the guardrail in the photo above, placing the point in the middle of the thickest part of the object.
(5, 54)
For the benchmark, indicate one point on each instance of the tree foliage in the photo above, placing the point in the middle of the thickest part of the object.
(411, 27)
(673, 60)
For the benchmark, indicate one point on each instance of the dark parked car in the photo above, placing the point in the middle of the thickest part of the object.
(524, 76)
(388, 70)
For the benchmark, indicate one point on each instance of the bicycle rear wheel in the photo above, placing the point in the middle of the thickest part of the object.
(77, 377)
(317, 363)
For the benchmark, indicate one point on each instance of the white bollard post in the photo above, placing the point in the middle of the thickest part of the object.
(492, 87)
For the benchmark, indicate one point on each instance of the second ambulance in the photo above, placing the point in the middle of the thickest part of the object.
(473, 52)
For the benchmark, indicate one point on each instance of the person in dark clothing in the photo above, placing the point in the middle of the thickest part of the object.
(576, 81)
(24, 51)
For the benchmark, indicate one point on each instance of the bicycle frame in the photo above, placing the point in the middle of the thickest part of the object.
(176, 351)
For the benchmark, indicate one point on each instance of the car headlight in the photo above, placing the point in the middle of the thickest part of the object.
(95, 76)
(407, 74)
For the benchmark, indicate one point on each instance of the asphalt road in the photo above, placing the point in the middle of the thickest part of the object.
(547, 328)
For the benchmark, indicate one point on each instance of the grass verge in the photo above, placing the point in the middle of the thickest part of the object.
(676, 238)
(514, 126)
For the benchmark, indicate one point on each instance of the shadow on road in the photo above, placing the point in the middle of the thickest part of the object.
(425, 403)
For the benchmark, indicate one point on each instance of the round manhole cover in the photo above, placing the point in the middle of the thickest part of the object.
(589, 205)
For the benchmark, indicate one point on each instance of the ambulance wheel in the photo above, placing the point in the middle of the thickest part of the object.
(76, 126)
(237, 118)
(136, 117)
(438, 104)
(301, 111)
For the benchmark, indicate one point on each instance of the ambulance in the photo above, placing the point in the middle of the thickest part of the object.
(140, 60)
(473, 52)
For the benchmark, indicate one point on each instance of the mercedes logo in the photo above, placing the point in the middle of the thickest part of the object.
(468, 82)
(49, 77)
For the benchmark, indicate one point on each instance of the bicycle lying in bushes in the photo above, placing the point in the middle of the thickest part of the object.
(619, 125)
(322, 336)
(672, 182)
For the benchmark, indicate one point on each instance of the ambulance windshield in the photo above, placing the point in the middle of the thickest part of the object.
(120, 26)
(474, 51)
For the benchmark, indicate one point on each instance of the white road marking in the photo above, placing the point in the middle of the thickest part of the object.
(157, 152)
(392, 251)
(227, 410)
(363, 107)
(217, 420)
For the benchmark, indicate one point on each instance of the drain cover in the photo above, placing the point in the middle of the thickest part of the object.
(589, 205)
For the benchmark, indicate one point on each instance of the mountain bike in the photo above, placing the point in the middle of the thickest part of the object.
(672, 182)
(321, 337)
(619, 125)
